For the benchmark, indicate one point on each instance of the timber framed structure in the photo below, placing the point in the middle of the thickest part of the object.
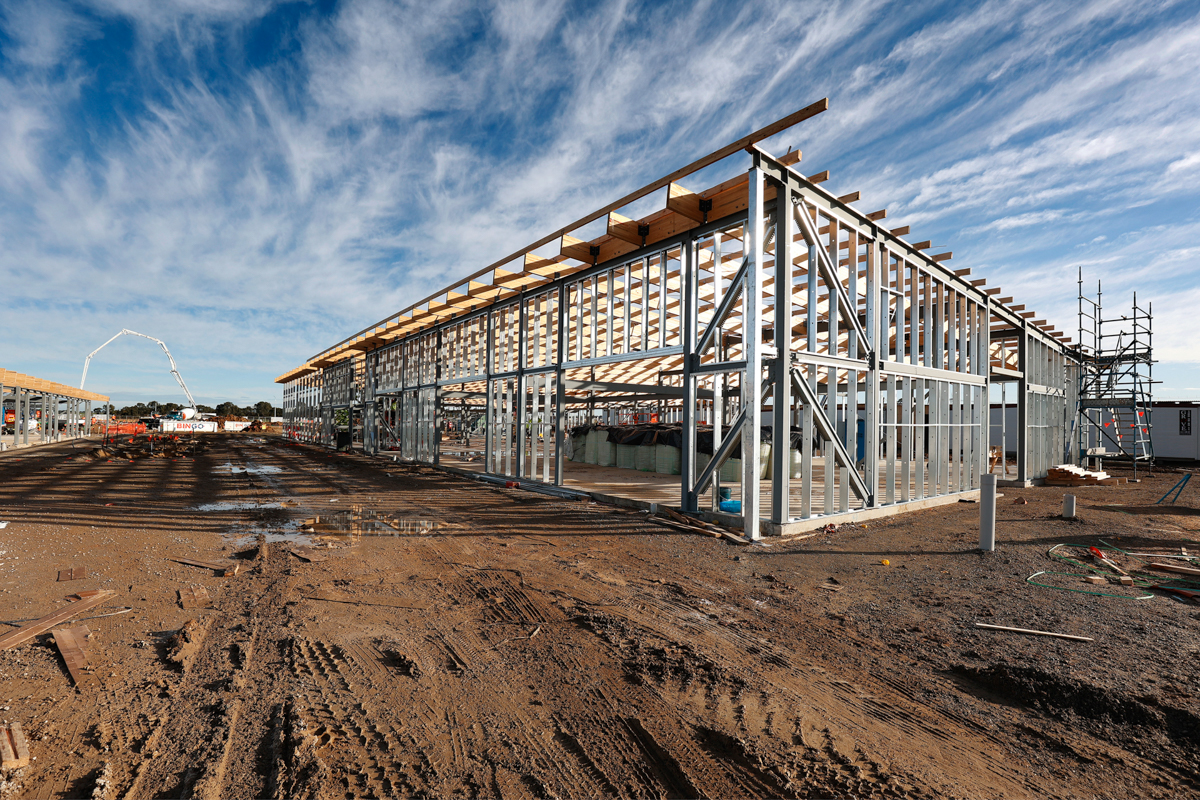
(845, 368)
(56, 410)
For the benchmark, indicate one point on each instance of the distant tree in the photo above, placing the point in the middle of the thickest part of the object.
(203, 409)
(134, 411)
(227, 409)
(264, 409)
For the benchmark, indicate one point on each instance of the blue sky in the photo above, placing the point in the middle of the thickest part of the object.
(253, 181)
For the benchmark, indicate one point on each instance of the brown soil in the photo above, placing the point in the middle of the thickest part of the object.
(537, 647)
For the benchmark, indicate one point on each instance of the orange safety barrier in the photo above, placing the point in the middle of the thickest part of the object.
(126, 428)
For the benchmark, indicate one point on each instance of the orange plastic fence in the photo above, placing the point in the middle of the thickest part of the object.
(126, 428)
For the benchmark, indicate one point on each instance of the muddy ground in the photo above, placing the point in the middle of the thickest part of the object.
(509, 644)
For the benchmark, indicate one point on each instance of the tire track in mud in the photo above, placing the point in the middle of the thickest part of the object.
(360, 752)
(843, 711)
(646, 746)
(184, 731)
(502, 597)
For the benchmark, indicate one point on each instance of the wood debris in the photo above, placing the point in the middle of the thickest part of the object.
(43, 624)
(1175, 568)
(311, 554)
(1070, 475)
(330, 596)
(692, 524)
(70, 642)
(72, 574)
(14, 750)
(1185, 594)
(224, 569)
(85, 594)
(194, 596)
(1034, 633)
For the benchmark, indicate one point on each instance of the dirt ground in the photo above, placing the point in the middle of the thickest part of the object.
(492, 642)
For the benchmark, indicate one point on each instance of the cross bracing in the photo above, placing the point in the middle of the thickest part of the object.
(683, 310)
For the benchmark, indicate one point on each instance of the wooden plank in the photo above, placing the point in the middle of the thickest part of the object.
(70, 642)
(8, 753)
(14, 750)
(194, 596)
(684, 202)
(1174, 568)
(225, 568)
(43, 624)
(1034, 633)
(72, 574)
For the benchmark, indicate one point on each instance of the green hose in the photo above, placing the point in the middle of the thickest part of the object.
(1030, 580)
(1189, 583)
(1139, 581)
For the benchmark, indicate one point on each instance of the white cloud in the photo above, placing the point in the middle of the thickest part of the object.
(254, 213)
(43, 31)
(1190, 161)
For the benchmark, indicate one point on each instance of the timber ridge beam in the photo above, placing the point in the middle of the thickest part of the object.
(718, 155)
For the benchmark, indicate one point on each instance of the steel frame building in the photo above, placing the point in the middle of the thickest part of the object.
(685, 309)
(49, 402)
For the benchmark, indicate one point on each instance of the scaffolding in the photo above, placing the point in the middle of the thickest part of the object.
(1116, 382)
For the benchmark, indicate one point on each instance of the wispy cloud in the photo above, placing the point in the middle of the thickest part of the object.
(252, 181)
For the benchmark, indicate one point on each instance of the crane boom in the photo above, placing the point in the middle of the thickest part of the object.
(174, 368)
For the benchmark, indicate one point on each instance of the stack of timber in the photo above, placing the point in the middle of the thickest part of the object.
(1069, 475)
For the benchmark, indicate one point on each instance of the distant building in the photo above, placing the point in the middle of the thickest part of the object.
(1176, 430)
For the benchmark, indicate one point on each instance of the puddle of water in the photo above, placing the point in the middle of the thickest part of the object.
(368, 523)
(252, 468)
(234, 505)
(290, 531)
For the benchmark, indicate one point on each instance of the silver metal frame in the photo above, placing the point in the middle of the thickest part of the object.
(871, 332)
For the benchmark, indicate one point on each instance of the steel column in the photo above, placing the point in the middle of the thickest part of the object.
(752, 347)
(689, 290)
(781, 399)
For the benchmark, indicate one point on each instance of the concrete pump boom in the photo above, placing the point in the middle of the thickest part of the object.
(162, 344)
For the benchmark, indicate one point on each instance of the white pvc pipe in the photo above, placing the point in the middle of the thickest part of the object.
(1068, 506)
(987, 513)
